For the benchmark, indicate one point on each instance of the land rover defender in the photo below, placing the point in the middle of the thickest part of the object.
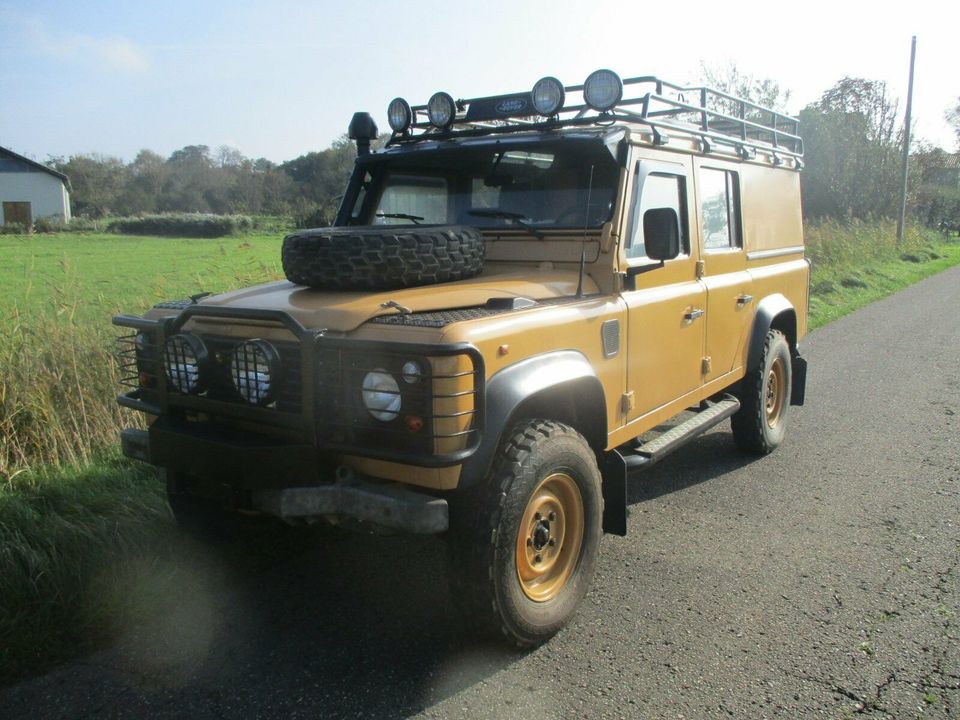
(524, 299)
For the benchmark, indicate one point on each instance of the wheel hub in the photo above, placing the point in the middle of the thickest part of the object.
(774, 398)
(550, 537)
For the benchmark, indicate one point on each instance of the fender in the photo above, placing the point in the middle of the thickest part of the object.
(511, 387)
(775, 311)
(563, 376)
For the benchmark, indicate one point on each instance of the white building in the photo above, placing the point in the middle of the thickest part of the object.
(30, 191)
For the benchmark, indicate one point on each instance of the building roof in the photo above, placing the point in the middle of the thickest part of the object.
(10, 154)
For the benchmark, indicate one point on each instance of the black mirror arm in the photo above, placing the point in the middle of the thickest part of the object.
(634, 270)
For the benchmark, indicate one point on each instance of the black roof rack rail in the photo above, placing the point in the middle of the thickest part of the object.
(713, 117)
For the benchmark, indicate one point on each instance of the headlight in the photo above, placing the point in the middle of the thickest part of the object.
(411, 372)
(603, 90)
(183, 356)
(441, 110)
(254, 369)
(141, 342)
(548, 96)
(399, 114)
(381, 395)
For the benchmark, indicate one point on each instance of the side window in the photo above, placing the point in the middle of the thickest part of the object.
(720, 206)
(660, 190)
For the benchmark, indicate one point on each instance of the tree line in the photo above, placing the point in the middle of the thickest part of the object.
(196, 179)
(853, 139)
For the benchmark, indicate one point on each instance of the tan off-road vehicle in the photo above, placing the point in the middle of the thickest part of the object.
(524, 299)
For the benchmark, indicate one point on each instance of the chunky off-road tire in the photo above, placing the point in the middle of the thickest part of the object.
(760, 423)
(382, 257)
(523, 544)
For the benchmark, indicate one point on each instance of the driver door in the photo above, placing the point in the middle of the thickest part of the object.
(665, 336)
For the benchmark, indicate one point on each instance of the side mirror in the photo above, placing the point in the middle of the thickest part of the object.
(661, 234)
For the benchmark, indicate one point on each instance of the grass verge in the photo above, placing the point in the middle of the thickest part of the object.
(65, 538)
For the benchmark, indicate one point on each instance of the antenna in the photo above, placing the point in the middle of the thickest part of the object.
(583, 244)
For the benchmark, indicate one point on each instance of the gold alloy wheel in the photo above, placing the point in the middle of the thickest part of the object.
(776, 392)
(550, 537)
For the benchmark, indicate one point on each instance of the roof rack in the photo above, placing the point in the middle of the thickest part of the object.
(713, 117)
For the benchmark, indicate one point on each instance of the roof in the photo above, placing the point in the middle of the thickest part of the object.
(4, 152)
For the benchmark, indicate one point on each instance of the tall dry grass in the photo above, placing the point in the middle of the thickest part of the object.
(840, 244)
(58, 390)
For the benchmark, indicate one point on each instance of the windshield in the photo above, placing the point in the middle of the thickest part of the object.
(527, 189)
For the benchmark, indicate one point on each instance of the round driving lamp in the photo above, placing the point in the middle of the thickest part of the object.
(548, 96)
(183, 356)
(411, 372)
(603, 90)
(255, 371)
(441, 110)
(399, 115)
(381, 395)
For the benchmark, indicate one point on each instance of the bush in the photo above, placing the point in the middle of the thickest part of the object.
(13, 229)
(56, 225)
(198, 226)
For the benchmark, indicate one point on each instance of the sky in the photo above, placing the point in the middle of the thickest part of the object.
(283, 78)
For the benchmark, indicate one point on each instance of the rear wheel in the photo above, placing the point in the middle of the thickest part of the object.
(759, 425)
(524, 545)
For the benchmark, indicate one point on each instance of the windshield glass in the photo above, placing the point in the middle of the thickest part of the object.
(491, 187)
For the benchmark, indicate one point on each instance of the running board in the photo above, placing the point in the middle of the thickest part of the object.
(662, 445)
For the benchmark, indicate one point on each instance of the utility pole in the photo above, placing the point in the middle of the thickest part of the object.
(901, 220)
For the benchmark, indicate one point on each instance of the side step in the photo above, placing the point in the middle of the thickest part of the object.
(661, 446)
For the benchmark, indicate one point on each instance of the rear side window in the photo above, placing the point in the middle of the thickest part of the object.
(660, 190)
(720, 207)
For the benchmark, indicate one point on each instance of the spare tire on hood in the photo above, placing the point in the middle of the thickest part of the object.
(382, 257)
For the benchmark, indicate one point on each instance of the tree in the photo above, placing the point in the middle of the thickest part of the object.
(97, 182)
(851, 148)
(953, 117)
(727, 78)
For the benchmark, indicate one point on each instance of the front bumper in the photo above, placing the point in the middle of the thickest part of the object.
(286, 481)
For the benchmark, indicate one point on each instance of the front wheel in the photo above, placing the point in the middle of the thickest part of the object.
(524, 544)
(760, 423)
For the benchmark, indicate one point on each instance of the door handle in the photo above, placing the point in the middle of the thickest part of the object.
(744, 299)
(692, 314)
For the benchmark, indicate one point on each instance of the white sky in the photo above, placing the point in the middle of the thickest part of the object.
(280, 79)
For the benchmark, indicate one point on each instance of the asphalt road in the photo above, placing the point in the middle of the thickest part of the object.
(820, 582)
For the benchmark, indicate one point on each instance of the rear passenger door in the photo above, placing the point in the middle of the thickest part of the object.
(730, 305)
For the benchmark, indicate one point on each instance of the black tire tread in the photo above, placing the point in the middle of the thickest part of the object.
(382, 257)
(477, 521)
(749, 422)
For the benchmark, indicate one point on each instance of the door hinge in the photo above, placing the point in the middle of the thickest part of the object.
(700, 269)
(627, 402)
(705, 366)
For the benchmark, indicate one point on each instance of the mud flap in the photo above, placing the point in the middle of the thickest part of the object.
(613, 470)
(798, 389)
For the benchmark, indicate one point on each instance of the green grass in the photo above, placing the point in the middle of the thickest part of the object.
(856, 263)
(89, 277)
(87, 545)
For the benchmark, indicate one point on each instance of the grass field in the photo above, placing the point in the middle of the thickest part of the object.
(87, 546)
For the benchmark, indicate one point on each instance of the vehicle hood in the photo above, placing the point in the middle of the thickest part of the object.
(346, 311)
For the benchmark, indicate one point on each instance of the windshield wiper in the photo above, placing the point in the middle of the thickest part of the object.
(518, 218)
(401, 216)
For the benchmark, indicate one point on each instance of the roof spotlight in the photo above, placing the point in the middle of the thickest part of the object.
(441, 110)
(603, 90)
(548, 96)
(399, 115)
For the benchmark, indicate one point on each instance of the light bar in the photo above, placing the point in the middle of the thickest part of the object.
(548, 96)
